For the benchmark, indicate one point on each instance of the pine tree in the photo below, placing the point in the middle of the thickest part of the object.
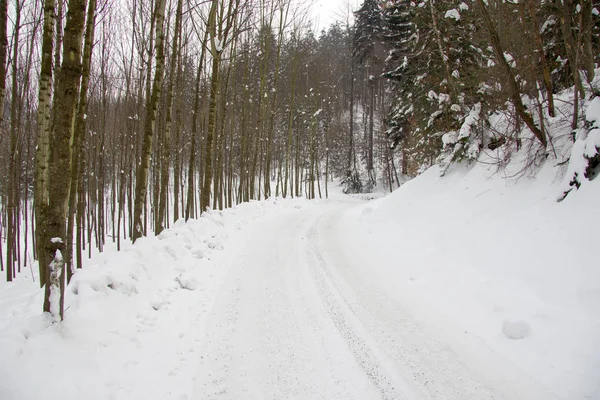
(432, 66)
(398, 34)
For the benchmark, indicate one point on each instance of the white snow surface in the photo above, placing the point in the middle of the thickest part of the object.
(453, 13)
(462, 287)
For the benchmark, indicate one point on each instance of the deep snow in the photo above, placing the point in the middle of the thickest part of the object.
(468, 286)
(498, 270)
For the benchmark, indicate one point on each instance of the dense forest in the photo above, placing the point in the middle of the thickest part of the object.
(120, 118)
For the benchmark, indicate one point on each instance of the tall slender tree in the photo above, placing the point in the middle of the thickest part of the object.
(141, 181)
(60, 159)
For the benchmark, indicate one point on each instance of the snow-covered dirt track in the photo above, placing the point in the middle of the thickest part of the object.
(296, 320)
(272, 333)
(280, 329)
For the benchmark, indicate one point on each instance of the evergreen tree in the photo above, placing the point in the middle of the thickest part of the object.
(398, 35)
(432, 67)
(368, 33)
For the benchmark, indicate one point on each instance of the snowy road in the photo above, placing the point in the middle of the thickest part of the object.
(296, 318)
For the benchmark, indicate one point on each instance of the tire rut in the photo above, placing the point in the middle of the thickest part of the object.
(346, 323)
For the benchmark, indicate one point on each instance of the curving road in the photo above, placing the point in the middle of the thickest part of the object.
(298, 318)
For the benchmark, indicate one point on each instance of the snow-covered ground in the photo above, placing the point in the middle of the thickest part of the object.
(498, 271)
(463, 287)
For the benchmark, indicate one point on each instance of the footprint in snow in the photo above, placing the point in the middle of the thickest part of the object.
(214, 245)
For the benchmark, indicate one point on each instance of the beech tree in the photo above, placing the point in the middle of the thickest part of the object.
(141, 182)
(59, 166)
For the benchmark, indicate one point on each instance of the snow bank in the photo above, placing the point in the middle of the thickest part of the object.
(133, 319)
(496, 268)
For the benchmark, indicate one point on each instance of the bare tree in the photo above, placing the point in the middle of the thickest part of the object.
(509, 75)
(60, 159)
(219, 25)
(141, 182)
(43, 136)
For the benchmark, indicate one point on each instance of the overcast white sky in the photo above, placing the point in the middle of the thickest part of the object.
(326, 12)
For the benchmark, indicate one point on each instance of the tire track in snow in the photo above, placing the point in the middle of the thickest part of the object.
(268, 336)
(427, 367)
(349, 328)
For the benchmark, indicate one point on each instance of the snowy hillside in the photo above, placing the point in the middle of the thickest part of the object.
(498, 269)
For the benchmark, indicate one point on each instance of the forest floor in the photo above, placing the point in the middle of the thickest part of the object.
(462, 287)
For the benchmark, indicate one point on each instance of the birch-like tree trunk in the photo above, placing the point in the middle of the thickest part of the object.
(3, 50)
(141, 181)
(79, 133)
(43, 137)
(60, 159)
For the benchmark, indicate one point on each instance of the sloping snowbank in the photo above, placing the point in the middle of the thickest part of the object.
(132, 319)
(497, 268)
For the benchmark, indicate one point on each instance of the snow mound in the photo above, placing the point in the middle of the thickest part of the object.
(516, 329)
(187, 282)
(125, 315)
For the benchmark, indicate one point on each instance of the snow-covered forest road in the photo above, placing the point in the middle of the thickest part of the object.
(298, 318)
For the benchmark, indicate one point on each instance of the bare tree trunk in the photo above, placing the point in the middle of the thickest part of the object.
(164, 184)
(178, 149)
(587, 26)
(290, 128)
(12, 213)
(542, 54)
(60, 159)
(216, 50)
(43, 138)
(509, 76)
(218, 40)
(283, 15)
(3, 51)
(141, 181)
(351, 165)
(371, 134)
(189, 209)
(566, 11)
(79, 135)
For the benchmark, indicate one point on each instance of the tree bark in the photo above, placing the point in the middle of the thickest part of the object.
(60, 158)
(141, 181)
(166, 158)
(12, 215)
(43, 138)
(79, 134)
(218, 40)
(189, 208)
(216, 50)
(3, 50)
(542, 54)
(586, 31)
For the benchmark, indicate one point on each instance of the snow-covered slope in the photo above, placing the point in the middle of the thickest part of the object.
(133, 319)
(496, 268)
